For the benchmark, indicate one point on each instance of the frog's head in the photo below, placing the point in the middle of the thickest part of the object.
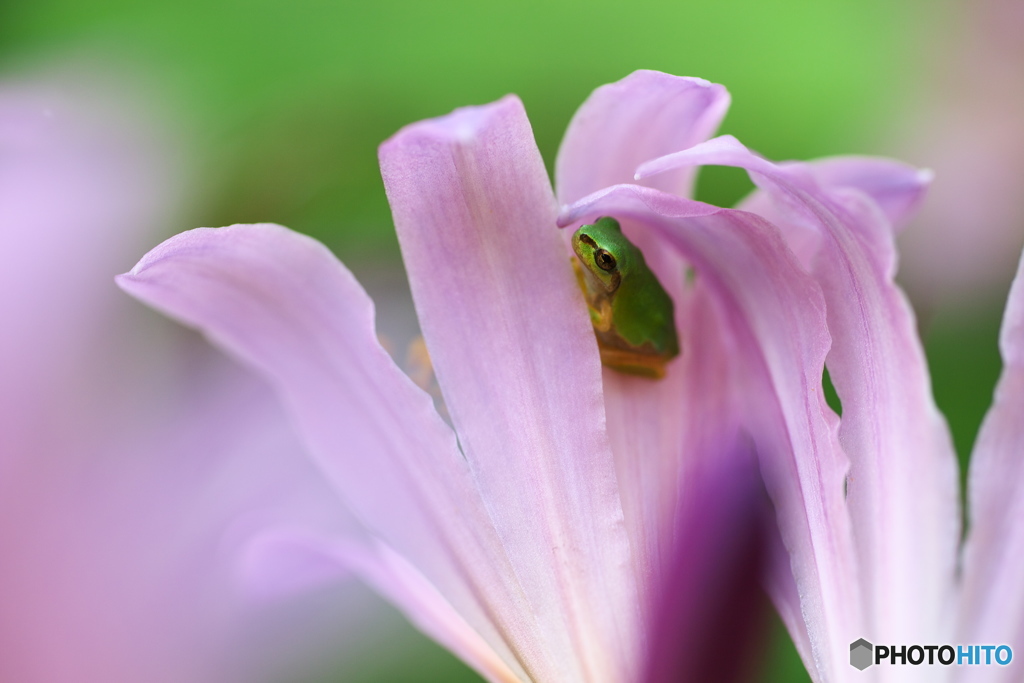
(605, 253)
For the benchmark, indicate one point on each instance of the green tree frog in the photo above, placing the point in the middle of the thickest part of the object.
(632, 314)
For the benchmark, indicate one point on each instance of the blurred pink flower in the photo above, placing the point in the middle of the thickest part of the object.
(964, 121)
(539, 536)
(126, 486)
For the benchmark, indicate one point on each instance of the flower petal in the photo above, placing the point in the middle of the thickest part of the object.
(115, 557)
(515, 356)
(654, 429)
(993, 590)
(774, 339)
(710, 609)
(903, 484)
(318, 558)
(82, 182)
(897, 188)
(282, 303)
(645, 115)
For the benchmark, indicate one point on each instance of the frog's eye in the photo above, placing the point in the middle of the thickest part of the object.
(604, 260)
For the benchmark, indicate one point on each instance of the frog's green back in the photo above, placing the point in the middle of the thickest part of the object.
(644, 312)
(633, 315)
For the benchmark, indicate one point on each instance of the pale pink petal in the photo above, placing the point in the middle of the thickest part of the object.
(283, 304)
(903, 485)
(992, 601)
(780, 584)
(621, 125)
(317, 559)
(515, 356)
(83, 182)
(658, 428)
(897, 188)
(116, 566)
(774, 338)
(652, 433)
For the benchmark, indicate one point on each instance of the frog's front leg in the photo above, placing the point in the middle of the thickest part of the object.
(600, 308)
(601, 315)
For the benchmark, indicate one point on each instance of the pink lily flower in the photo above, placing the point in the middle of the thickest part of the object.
(964, 123)
(536, 535)
(124, 490)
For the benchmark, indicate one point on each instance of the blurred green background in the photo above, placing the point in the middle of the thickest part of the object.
(280, 107)
(286, 102)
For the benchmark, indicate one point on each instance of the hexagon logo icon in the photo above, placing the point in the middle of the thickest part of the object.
(860, 654)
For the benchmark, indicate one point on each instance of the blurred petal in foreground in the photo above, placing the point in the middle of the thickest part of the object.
(134, 461)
